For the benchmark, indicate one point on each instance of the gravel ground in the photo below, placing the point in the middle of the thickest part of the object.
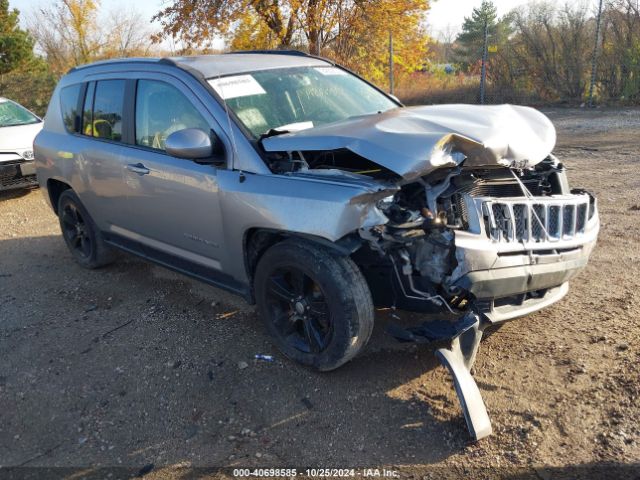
(135, 366)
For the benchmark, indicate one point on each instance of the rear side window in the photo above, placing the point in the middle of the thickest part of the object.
(69, 104)
(104, 120)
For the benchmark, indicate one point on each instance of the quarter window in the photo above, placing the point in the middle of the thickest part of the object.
(162, 109)
(69, 105)
(108, 104)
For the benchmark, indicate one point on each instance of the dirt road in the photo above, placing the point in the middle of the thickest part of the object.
(133, 365)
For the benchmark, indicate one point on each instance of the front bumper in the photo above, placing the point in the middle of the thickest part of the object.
(509, 279)
(17, 174)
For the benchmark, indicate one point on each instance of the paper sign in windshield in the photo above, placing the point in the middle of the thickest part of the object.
(236, 86)
(330, 71)
(295, 127)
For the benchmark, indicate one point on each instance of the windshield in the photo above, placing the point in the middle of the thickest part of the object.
(12, 114)
(294, 99)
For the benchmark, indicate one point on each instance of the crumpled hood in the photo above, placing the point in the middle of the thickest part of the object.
(18, 138)
(414, 141)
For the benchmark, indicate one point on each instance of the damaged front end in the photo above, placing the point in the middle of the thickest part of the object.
(481, 227)
(501, 241)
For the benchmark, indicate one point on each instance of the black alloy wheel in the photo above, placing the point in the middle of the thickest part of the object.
(314, 302)
(300, 311)
(75, 231)
(80, 233)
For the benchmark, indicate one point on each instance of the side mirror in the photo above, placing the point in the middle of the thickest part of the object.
(190, 143)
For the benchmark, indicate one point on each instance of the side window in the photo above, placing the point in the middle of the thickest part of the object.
(162, 109)
(108, 105)
(69, 105)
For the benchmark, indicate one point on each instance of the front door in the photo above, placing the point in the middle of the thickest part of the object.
(173, 205)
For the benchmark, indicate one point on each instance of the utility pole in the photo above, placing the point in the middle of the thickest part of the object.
(483, 74)
(594, 59)
(391, 62)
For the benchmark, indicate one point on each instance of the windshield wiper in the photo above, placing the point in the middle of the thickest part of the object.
(272, 132)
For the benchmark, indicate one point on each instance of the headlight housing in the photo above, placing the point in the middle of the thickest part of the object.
(27, 154)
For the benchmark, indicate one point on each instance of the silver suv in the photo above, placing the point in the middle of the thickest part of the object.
(291, 181)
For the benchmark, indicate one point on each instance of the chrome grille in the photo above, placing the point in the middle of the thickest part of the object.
(538, 220)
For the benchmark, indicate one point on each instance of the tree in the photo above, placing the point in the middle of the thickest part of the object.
(354, 32)
(362, 42)
(30, 84)
(16, 46)
(470, 42)
(553, 48)
(275, 21)
(24, 77)
(70, 33)
(128, 35)
(619, 61)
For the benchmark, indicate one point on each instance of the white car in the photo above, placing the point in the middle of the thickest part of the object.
(18, 128)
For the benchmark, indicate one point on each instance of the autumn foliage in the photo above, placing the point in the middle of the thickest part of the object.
(352, 32)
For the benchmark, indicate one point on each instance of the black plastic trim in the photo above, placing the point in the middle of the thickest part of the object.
(199, 272)
(77, 125)
(129, 112)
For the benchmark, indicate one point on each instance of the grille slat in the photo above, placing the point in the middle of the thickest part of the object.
(581, 217)
(568, 222)
(521, 221)
(538, 222)
(553, 230)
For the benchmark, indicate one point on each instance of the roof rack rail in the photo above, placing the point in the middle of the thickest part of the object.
(274, 52)
(114, 61)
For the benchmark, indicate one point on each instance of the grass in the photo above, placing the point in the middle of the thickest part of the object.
(425, 89)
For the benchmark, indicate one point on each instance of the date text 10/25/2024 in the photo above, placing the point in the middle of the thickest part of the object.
(315, 472)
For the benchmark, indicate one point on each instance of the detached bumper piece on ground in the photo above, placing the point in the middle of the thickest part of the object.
(465, 335)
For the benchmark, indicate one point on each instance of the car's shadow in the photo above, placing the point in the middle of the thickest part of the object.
(15, 193)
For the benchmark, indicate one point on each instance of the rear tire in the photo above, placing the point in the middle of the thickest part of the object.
(315, 304)
(80, 233)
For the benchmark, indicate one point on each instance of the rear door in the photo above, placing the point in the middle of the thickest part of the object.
(101, 152)
(172, 203)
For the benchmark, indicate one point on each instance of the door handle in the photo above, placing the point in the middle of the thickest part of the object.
(138, 168)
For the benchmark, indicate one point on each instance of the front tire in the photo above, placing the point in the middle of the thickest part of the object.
(315, 304)
(81, 234)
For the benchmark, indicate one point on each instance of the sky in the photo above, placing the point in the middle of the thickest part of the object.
(444, 14)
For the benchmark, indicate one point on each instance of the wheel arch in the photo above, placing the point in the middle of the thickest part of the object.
(54, 189)
(256, 241)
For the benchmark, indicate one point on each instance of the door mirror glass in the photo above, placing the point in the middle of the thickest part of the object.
(190, 143)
